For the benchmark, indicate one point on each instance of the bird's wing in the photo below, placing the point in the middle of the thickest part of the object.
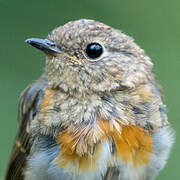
(28, 107)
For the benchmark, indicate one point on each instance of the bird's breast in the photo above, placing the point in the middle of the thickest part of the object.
(93, 135)
(86, 139)
(85, 147)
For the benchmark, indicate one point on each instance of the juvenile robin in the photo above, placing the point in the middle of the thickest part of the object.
(95, 114)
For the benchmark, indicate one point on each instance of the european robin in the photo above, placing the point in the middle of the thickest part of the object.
(95, 113)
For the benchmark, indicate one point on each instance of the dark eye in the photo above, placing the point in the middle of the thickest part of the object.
(94, 50)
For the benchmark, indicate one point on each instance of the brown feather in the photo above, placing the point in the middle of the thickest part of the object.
(28, 107)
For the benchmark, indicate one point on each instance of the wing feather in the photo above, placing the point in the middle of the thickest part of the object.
(28, 107)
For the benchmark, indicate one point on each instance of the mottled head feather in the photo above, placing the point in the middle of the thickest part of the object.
(123, 64)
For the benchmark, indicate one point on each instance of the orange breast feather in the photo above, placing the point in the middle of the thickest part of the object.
(133, 145)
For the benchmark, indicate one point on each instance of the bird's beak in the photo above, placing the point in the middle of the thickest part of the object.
(47, 46)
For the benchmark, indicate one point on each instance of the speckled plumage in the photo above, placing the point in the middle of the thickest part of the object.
(84, 119)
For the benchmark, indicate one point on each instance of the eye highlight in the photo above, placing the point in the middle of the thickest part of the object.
(94, 50)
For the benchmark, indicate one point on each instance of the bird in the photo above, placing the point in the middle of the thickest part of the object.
(96, 112)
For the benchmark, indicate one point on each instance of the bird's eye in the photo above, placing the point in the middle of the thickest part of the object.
(94, 50)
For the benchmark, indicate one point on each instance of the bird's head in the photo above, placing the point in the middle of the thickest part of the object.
(87, 56)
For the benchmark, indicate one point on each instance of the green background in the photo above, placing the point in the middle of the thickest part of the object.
(154, 24)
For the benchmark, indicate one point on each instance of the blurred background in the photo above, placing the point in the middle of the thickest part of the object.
(155, 26)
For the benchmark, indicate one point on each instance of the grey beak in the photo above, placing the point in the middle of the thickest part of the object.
(45, 45)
